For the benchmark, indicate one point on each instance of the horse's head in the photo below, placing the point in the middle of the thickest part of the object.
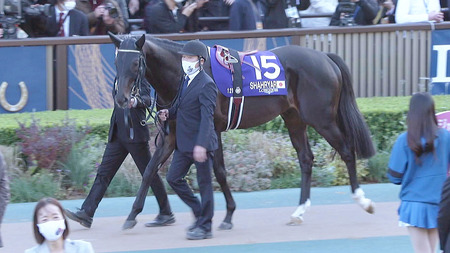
(130, 67)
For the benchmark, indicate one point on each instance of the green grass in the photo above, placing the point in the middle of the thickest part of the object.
(102, 116)
(47, 118)
(395, 104)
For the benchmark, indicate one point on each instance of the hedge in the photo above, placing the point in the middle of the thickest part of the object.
(384, 115)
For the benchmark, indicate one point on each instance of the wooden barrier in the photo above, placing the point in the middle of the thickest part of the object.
(385, 60)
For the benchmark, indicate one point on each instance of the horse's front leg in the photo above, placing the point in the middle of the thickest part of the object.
(221, 177)
(161, 154)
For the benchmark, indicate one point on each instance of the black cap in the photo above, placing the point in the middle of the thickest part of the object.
(196, 48)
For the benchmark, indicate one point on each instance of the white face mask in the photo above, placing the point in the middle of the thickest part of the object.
(189, 67)
(69, 5)
(52, 230)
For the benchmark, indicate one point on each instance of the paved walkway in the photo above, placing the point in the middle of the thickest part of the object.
(332, 224)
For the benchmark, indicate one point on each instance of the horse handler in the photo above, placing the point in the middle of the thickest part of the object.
(118, 147)
(196, 138)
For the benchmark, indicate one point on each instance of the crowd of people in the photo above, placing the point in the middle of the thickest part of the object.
(89, 17)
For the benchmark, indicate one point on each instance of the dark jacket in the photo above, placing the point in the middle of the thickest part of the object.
(215, 8)
(368, 10)
(275, 16)
(194, 112)
(158, 18)
(78, 23)
(242, 16)
(117, 125)
(444, 217)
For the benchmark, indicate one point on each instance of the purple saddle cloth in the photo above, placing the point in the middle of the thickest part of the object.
(262, 73)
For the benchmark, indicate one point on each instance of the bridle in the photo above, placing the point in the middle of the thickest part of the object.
(135, 92)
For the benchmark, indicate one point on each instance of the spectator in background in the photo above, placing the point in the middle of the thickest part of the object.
(418, 10)
(318, 7)
(274, 15)
(4, 190)
(51, 229)
(419, 161)
(444, 217)
(355, 12)
(168, 16)
(445, 4)
(242, 15)
(215, 8)
(386, 13)
(103, 16)
(65, 21)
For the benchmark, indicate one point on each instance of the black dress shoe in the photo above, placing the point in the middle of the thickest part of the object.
(79, 216)
(198, 234)
(161, 220)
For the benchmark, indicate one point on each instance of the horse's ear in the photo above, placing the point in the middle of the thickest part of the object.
(115, 39)
(140, 42)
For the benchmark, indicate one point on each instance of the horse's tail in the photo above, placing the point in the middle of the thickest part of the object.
(350, 119)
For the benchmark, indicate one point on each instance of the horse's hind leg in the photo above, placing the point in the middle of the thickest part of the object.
(299, 139)
(221, 177)
(335, 138)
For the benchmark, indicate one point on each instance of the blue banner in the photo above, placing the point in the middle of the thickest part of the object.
(23, 79)
(440, 62)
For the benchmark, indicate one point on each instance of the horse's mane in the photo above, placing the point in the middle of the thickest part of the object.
(166, 44)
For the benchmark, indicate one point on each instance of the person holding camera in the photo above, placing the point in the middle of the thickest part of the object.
(103, 16)
(354, 12)
(64, 20)
(418, 11)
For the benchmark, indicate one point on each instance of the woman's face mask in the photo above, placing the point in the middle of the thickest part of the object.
(69, 5)
(50, 222)
(52, 230)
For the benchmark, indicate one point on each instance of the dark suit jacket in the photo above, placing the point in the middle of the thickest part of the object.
(117, 125)
(158, 18)
(194, 112)
(242, 16)
(275, 16)
(78, 23)
(444, 217)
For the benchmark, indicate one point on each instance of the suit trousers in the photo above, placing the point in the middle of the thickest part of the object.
(115, 153)
(204, 210)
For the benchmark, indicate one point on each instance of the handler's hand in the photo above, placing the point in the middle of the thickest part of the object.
(163, 114)
(199, 154)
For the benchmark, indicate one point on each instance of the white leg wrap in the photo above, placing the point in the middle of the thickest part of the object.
(364, 202)
(297, 216)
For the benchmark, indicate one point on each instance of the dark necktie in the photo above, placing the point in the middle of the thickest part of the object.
(185, 84)
(61, 25)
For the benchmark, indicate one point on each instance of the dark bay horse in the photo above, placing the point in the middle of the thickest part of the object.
(320, 95)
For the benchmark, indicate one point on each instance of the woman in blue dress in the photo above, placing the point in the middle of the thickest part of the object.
(419, 161)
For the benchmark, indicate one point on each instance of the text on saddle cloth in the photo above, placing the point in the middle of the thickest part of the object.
(262, 73)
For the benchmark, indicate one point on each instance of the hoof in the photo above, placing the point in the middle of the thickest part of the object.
(226, 226)
(295, 221)
(371, 208)
(129, 224)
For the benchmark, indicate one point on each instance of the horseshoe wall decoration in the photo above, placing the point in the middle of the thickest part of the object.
(23, 98)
